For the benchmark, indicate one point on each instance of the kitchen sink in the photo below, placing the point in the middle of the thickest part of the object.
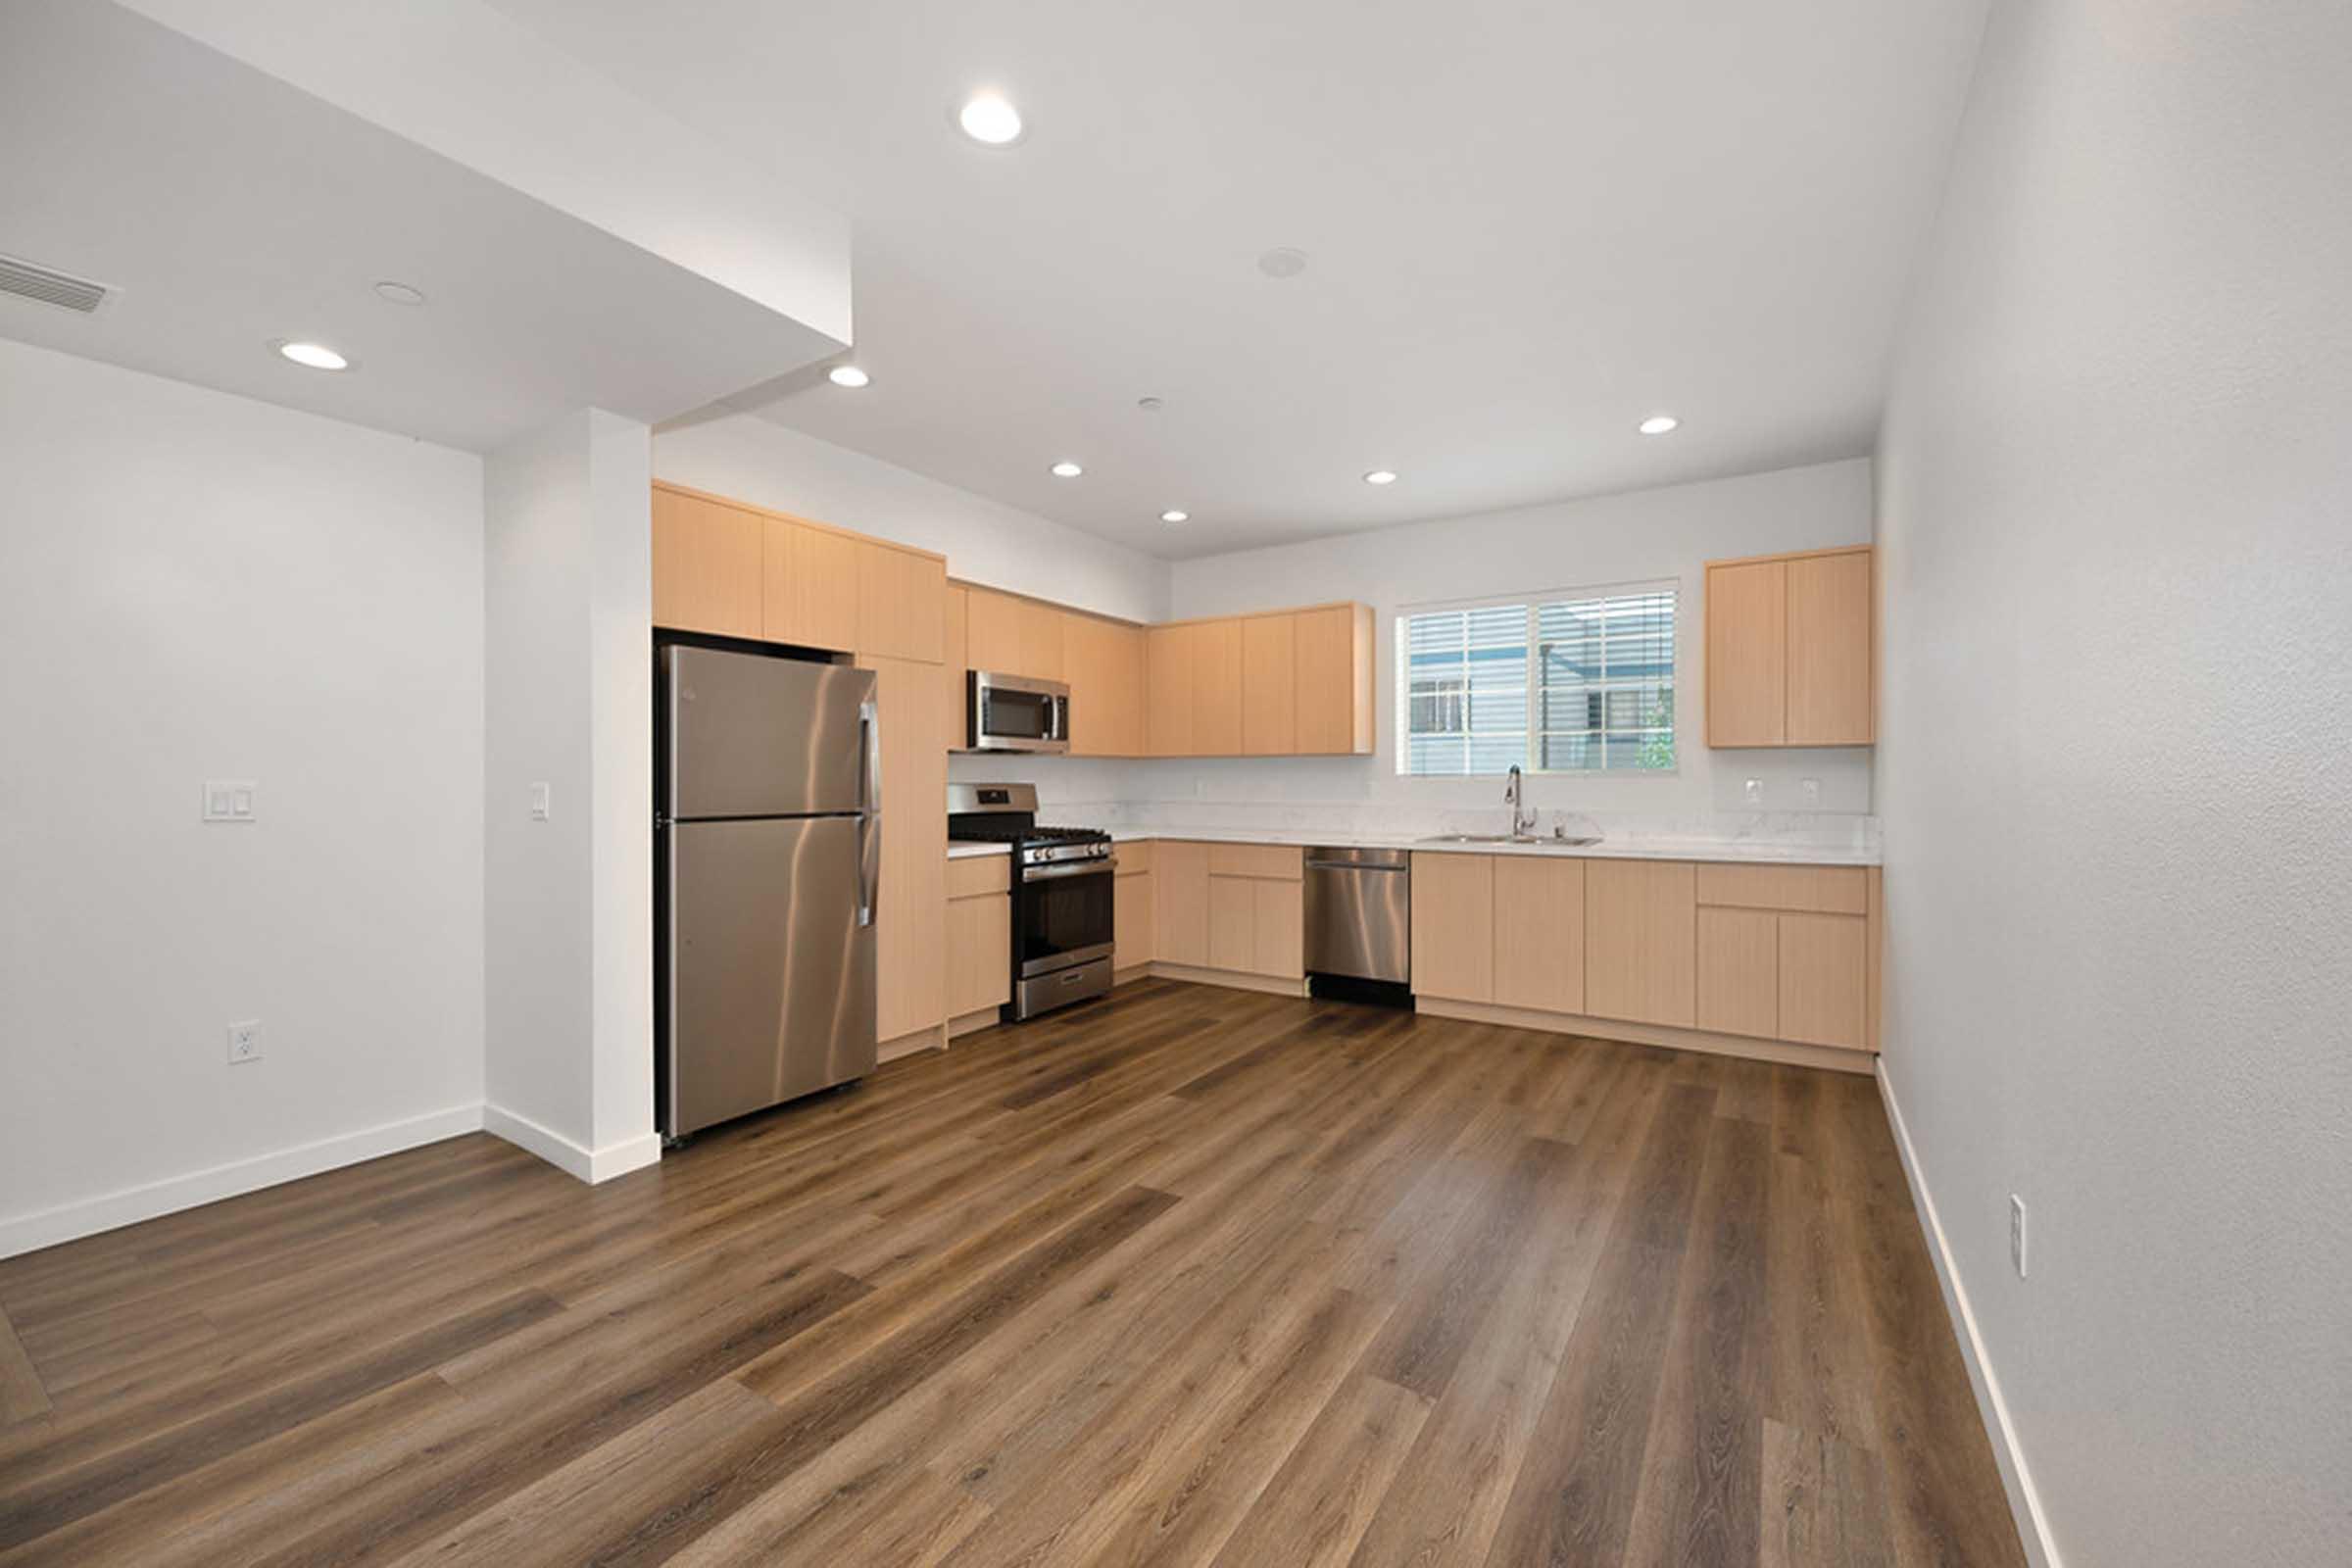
(1509, 838)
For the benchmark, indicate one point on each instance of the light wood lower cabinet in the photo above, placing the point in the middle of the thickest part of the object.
(1641, 941)
(1257, 909)
(1453, 925)
(1539, 932)
(1235, 908)
(909, 916)
(1786, 954)
(1824, 979)
(1739, 971)
(1180, 901)
(979, 934)
(1134, 923)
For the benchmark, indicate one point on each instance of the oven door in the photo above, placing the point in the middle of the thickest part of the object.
(1015, 713)
(1062, 916)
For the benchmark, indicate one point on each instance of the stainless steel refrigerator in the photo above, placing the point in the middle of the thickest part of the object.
(767, 858)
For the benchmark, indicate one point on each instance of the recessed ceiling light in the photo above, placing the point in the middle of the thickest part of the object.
(1659, 423)
(1067, 470)
(314, 355)
(1380, 476)
(846, 375)
(989, 120)
(399, 293)
(1173, 516)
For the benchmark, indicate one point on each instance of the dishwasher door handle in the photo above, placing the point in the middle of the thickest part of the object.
(1354, 866)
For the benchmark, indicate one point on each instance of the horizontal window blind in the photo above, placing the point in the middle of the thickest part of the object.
(1572, 682)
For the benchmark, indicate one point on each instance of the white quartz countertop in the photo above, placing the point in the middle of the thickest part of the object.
(973, 849)
(1761, 850)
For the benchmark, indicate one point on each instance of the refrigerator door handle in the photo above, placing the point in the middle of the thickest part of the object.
(870, 814)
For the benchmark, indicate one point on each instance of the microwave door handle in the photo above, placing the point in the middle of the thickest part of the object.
(869, 814)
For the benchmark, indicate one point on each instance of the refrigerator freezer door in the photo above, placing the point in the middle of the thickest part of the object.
(753, 736)
(772, 990)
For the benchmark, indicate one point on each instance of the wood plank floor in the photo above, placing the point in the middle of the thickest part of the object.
(1189, 1276)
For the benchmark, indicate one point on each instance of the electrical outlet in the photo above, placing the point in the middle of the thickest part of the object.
(2016, 1234)
(1753, 789)
(1812, 789)
(245, 1041)
(229, 800)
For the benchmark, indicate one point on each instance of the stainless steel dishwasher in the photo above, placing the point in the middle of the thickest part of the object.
(1359, 922)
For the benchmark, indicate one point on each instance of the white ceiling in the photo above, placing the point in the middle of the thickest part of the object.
(230, 208)
(1528, 225)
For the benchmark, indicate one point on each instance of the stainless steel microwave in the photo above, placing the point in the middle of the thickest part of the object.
(1015, 713)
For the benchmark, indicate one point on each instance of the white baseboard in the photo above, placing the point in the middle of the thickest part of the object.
(71, 1221)
(591, 1166)
(2024, 1503)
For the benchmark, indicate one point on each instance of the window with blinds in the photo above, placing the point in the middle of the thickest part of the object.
(1572, 682)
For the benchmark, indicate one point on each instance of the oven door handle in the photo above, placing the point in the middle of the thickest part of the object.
(1055, 873)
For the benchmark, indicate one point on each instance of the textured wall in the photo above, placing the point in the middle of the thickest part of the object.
(2116, 778)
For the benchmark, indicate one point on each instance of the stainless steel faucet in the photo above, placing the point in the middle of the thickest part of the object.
(1513, 793)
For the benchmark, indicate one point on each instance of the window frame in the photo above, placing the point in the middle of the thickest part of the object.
(1534, 603)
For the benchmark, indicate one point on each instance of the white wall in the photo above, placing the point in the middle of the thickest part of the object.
(754, 459)
(197, 586)
(2115, 540)
(569, 703)
(1646, 535)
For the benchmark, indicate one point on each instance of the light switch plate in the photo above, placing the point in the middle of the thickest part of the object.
(245, 1042)
(230, 800)
(2016, 1234)
(539, 802)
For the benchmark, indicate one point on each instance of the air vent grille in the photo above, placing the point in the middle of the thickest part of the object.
(48, 285)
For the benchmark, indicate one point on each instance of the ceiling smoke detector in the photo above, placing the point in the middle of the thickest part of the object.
(1149, 405)
(399, 293)
(1282, 261)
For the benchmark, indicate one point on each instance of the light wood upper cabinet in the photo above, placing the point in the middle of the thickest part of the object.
(1641, 941)
(1180, 872)
(811, 593)
(1216, 649)
(1041, 641)
(1333, 680)
(909, 916)
(1748, 650)
(1108, 689)
(1830, 640)
(1270, 685)
(706, 566)
(1453, 925)
(1168, 693)
(1540, 932)
(901, 601)
(1790, 650)
(992, 632)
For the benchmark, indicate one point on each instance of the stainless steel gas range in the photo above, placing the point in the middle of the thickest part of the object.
(1061, 896)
